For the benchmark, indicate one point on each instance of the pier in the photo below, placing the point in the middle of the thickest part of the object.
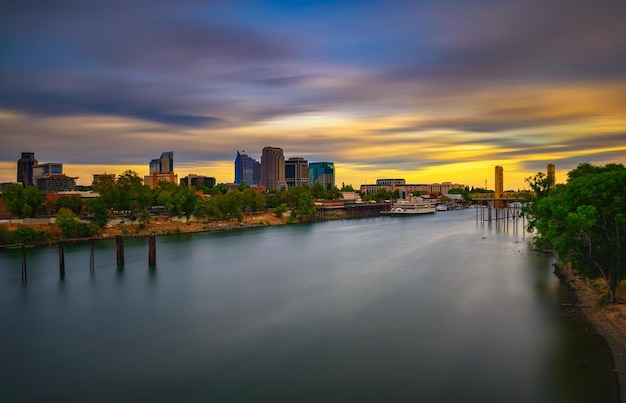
(348, 211)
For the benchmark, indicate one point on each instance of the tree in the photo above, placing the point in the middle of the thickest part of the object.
(70, 226)
(318, 191)
(74, 203)
(22, 201)
(347, 188)
(233, 204)
(280, 210)
(99, 212)
(253, 200)
(305, 206)
(584, 220)
(334, 193)
(131, 194)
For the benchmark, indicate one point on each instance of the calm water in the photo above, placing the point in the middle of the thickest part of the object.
(420, 309)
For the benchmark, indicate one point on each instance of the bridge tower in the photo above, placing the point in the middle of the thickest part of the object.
(499, 187)
(552, 175)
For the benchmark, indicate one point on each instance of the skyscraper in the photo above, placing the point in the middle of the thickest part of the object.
(165, 164)
(161, 170)
(247, 170)
(25, 168)
(322, 173)
(273, 168)
(296, 171)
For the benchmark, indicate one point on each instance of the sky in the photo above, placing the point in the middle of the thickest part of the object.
(425, 90)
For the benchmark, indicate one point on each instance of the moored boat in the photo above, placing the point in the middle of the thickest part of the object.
(411, 207)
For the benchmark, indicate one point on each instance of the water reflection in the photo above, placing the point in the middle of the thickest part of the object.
(421, 309)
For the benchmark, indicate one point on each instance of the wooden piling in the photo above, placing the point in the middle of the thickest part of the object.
(152, 249)
(61, 259)
(24, 273)
(91, 257)
(119, 247)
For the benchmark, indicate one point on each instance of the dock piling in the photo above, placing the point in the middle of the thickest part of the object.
(61, 259)
(152, 249)
(91, 257)
(24, 273)
(119, 247)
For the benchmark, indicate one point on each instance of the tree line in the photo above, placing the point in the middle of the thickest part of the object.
(127, 196)
(583, 221)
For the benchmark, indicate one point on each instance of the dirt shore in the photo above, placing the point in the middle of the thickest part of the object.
(609, 320)
(164, 226)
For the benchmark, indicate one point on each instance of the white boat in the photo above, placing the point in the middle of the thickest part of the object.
(441, 207)
(411, 207)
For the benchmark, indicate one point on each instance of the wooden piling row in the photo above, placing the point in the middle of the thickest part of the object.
(119, 248)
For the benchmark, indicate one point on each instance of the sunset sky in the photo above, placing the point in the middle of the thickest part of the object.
(429, 91)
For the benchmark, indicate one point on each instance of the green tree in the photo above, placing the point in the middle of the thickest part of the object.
(234, 204)
(318, 191)
(583, 221)
(253, 200)
(131, 194)
(292, 195)
(334, 193)
(74, 203)
(99, 211)
(22, 201)
(347, 188)
(305, 206)
(70, 226)
(280, 210)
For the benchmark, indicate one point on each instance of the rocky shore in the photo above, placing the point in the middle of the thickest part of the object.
(609, 320)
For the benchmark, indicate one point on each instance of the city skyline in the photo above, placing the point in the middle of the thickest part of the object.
(429, 91)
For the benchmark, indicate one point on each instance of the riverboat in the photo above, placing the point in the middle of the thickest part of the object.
(410, 207)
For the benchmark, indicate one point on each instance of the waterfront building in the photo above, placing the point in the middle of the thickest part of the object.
(406, 189)
(25, 167)
(161, 170)
(198, 181)
(273, 168)
(322, 173)
(247, 169)
(296, 172)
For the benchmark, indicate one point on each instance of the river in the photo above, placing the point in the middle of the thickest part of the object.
(435, 308)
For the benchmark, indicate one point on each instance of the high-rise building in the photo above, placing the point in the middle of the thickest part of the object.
(49, 168)
(247, 170)
(25, 167)
(499, 189)
(322, 173)
(273, 168)
(161, 170)
(296, 171)
(552, 175)
(165, 164)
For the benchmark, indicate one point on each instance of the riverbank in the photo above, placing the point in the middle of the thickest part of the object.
(159, 225)
(609, 320)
